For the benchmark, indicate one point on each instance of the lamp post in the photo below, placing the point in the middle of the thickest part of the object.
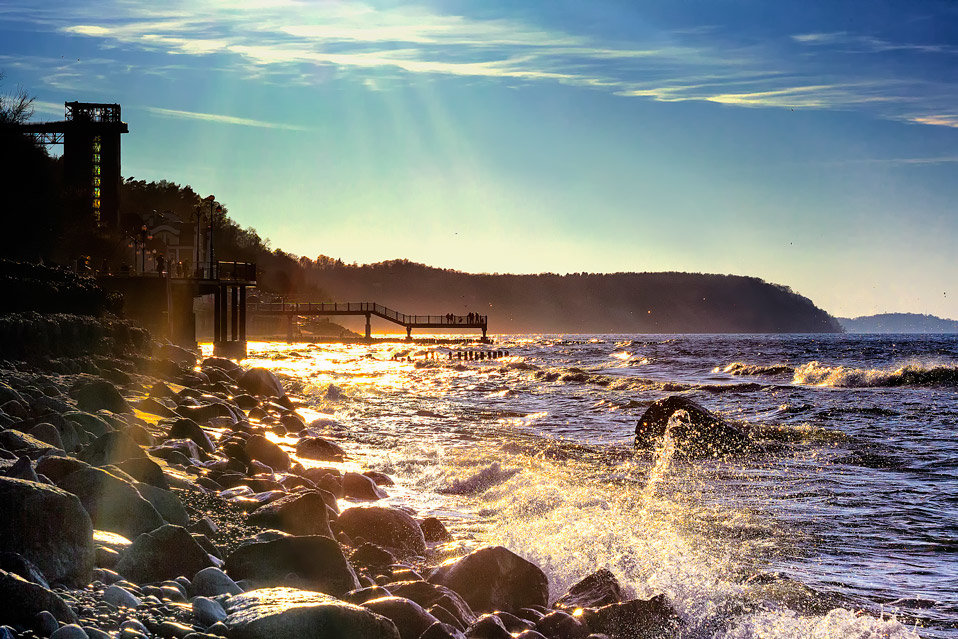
(218, 209)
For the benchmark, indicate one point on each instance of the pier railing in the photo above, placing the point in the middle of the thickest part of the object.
(362, 308)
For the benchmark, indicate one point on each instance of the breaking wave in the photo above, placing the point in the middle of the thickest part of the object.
(818, 374)
(741, 368)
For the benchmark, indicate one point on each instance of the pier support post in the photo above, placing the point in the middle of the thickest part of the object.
(242, 315)
(234, 314)
(409, 333)
(289, 328)
(216, 316)
(224, 303)
(369, 331)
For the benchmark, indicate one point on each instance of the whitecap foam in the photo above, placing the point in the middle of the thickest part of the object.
(818, 374)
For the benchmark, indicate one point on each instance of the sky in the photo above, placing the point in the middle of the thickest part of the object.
(813, 145)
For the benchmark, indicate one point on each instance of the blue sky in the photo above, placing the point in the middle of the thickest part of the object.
(810, 144)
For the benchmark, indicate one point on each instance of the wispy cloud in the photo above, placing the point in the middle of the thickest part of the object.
(222, 119)
(282, 39)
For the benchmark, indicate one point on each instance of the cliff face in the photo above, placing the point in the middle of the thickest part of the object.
(585, 302)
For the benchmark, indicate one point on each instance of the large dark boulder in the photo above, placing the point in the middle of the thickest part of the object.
(261, 449)
(318, 562)
(696, 431)
(429, 595)
(48, 527)
(494, 578)
(319, 449)
(410, 618)
(21, 601)
(359, 486)
(261, 381)
(302, 513)
(111, 448)
(189, 429)
(165, 553)
(100, 394)
(113, 503)
(601, 588)
(288, 613)
(387, 527)
(653, 617)
(23, 444)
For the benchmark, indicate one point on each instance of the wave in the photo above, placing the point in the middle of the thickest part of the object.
(741, 368)
(818, 374)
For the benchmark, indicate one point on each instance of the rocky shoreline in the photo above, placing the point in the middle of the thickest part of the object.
(147, 496)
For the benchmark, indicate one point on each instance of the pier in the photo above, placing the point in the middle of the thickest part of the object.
(303, 309)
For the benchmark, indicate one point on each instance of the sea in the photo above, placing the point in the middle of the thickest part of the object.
(844, 523)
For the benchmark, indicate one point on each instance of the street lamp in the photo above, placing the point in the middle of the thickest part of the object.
(219, 209)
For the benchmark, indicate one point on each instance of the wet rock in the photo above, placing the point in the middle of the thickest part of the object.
(154, 407)
(56, 467)
(319, 449)
(494, 578)
(173, 629)
(22, 567)
(653, 617)
(206, 412)
(189, 429)
(113, 503)
(261, 381)
(440, 630)
(23, 444)
(100, 394)
(561, 625)
(120, 597)
(262, 449)
(145, 470)
(601, 588)
(532, 634)
(317, 561)
(47, 624)
(111, 448)
(23, 600)
(359, 486)
(429, 595)
(165, 502)
(91, 424)
(362, 595)
(286, 613)
(371, 555)
(165, 553)
(696, 431)
(48, 527)
(211, 582)
(488, 627)
(23, 469)
(302, 513)
(514, 623)
(69, 631)
(47, 433)
(434, 530)
(410, 618)
(387, 527)
(207, 611)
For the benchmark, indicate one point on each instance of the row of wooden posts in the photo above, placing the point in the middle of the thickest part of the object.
(467, 355)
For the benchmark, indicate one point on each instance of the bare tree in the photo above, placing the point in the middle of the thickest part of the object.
(16, 108)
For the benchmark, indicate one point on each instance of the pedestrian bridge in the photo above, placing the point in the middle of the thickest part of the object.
(369, 309)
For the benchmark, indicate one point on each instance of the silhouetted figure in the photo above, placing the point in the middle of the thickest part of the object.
(160, 264)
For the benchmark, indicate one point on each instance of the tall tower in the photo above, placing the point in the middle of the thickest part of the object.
(90, 135)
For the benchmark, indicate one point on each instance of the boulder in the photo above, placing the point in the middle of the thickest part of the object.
(434, 530)
(22, 469)
(48, 527)
(601, 588)
(696, 431)
(207, 612)
(561, 624)
(111, 448)
(23, 444)
(93, 425)
(165, 502)
(211, 582)
(370, 555)
(387, 527)
(319, 449)
(120, 597)
(410, 618)
(494, 578)
(317, 561)
(488, 627)
(154, 407)
(145, 470)
(656, 617)
(56, 468)
(287, 613)
(262, 449)
(442, 630)
(358, 486)
(206, 412)
(24, 600)
(113, 503)
(100, 394)
(22, 567)
(301, 513)
(261, 381)
(48, 433)
(165, 553)
(189, 429)
(429, 595)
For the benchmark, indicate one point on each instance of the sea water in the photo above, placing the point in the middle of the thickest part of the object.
(845, 526)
